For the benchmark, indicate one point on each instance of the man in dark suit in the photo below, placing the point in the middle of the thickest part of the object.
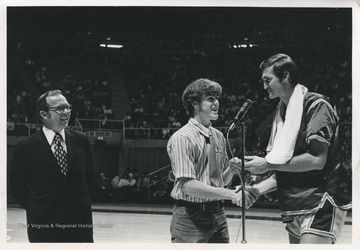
(52, 174)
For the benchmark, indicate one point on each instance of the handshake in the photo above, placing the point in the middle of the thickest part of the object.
(252, 194)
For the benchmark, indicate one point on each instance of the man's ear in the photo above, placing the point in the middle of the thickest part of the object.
(286, 76)
(43, 114)
(195, 105)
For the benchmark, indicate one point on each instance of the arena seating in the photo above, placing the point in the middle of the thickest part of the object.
(155, 83)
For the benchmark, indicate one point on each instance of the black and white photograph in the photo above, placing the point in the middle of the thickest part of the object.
(188, 122)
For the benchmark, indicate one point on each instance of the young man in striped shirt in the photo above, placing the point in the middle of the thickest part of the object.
(199, 162)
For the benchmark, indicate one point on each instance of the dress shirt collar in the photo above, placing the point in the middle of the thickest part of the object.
(202, 129)
(49, 134)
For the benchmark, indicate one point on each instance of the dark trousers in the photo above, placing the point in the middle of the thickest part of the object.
(60, 235)
(60, 226)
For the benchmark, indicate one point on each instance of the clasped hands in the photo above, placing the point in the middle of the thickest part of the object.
(251, 196)
(255, 165)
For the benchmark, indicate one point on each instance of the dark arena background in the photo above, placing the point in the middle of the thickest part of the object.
(124, 69)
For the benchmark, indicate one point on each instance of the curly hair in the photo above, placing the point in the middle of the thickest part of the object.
(198, 89)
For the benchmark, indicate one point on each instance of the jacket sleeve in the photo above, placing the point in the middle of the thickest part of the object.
(19, 175)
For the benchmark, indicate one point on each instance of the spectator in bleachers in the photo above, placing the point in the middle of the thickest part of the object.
(115, 180)
(141, 191)
(125, 188)
(114, 186)
(132, 169)
(102, 193)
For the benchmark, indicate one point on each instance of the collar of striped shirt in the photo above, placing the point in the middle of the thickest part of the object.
(203, 130)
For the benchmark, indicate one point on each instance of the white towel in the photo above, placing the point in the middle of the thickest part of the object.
(284, 134)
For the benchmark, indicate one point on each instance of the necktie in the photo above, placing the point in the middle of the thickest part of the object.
(60, 154)
(214, 172)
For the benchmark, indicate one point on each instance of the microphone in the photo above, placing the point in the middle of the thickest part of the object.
(240, 115)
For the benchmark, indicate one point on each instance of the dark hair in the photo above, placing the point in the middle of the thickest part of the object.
(282, 63)
(196, 90)
(41, 103)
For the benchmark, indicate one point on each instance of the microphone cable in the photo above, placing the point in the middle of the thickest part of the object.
(243, 110)
(241, 180)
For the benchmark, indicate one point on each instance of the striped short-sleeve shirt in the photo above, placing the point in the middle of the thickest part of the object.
(188, 154)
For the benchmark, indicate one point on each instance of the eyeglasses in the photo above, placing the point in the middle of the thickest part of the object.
(60, 109)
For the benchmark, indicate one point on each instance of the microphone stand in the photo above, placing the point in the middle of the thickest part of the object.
(241, 114)
(242, 175)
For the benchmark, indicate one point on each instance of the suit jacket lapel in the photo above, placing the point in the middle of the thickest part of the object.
(70, 148)
(45, 148)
